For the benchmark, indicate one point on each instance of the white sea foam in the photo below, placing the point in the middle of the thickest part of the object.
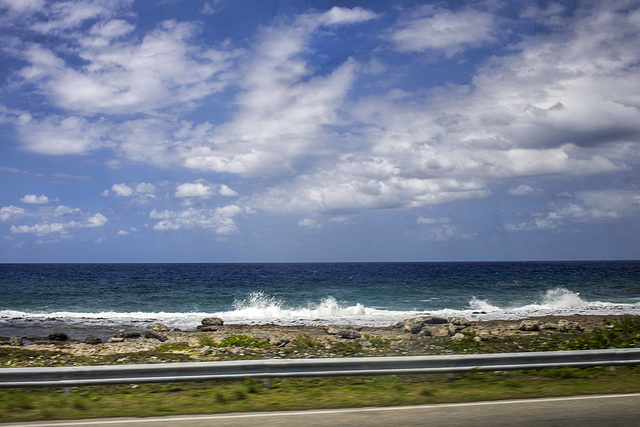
(261, 308)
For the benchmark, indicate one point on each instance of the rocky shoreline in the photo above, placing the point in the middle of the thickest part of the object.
(214, 339)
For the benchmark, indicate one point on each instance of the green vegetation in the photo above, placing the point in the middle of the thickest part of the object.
(306, 393)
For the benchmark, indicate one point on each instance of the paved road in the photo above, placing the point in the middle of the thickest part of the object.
(585, 411)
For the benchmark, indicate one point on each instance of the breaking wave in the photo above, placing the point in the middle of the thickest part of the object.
(259, 307)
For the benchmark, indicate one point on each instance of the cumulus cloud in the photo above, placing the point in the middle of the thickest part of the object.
(194, 189)
(32, 198)
(122, 190)
(558, 216)
(63, 228)
(10, 213)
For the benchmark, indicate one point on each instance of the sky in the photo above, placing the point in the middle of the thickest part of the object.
(314, 131)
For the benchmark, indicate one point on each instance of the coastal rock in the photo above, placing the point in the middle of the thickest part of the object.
(281, 342)
(58, 336)
(93, 340)
(212, 321)
(114, 339)
(204, 328)
(458, 321)
(549, 326)
(158, 332)
(333, 330)
(349, 334)
(15, 341)
(155, 334)
(569, 326)
(458, 337)
(159, 327)
(127, 335)
(415, 324)
(529, 325)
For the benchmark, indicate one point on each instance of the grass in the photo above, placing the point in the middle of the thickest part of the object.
(307, 393)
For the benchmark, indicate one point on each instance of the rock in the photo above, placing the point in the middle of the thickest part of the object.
(15, 341)
(281, 342)
(434, 320)
(529, 325)
(207, 328)
(114, 339)
(458, 337)
(569, 326)
(549, 326)
(457, 324)
(159, 327)
(212, 321)
(349, 334)
(459, 321)
(93, 340)
(415, 324)
(206, 350)
(436, 331)
(58, 336)
(333, 330)
(155, 334)
(127, 335)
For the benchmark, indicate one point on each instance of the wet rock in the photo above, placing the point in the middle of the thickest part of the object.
(58, 336)
(93, 340)
(15, 341)
(529, 325)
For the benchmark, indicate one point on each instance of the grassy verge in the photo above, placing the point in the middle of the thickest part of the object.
(289, 394)
(306, 393)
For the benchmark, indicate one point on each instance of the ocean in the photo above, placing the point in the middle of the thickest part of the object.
(97, 299)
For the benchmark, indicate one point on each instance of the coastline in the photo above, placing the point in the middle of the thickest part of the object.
(414, 336)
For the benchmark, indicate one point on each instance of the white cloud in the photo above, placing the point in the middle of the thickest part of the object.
(66, 211)
(226, 191)
(341, 15)
(145, 187)
(523, 190)
(559, 216)
(448, 31)
(123, 233)
(283, 110)
(194, 189)
(430, 221)
(10, 213)
(122, 190)
(63, 228)
(219, 220)
(310, 224)
(32, 198)
(98, 220)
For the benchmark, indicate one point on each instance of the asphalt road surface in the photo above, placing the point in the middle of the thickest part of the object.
(583, 411)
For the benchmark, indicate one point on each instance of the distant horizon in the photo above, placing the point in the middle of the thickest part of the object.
(241, 130)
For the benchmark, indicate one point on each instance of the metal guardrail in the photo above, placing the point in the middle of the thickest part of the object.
(280, 368)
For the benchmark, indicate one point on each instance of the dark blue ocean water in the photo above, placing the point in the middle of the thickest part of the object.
(362, 293)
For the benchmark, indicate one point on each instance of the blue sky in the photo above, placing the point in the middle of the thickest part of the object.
(241, 131)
